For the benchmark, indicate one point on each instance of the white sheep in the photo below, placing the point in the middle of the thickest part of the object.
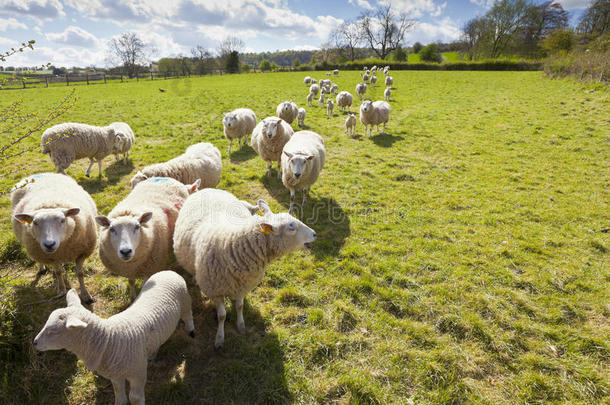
(118, 348)
(373, 80)
(336, 72)
(328, 73)
(344, 100)
(136, 237)
(329, 107)
(302, 161)
(389, 81)
(54, 218)
(361, 90)
(307, 80)
(386, 70)
(366, 77)
(315, 89)
(374, 68)
(201, 161)
(287, 111)
(387, 93)
(268, 140)
(226, 247)
(71, 141)
(238, 124)
(310, 97)
(301, 117)
(313, 81)
(334, 89)
(374, 113)
(125, 139)
(322, 99)
(350, 125)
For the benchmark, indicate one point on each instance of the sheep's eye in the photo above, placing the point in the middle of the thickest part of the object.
(112, 230)
(63, 220)
(35, 222)
(136, 228)
(62, 317)
(292, 226)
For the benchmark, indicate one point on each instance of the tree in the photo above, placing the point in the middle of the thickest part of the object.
(202, 60)
(265, 65)
(539, 22)
(384, 30)
(230, 44)
(296, 63)
(130, 50)
(417, 47)
(232, 63)
(559, 40)
(430, 53)
(347, 37)
(596, 20)
(245, 67)
(400, 55)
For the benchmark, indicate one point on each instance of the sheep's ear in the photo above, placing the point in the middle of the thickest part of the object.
(309, 157)
(24, 218)
(264, 208)
(72, 298)
(145, 217)
(194, 187)
(288, 154)
(74, 323)
(266, 228)
(70, 212)
(102, 221)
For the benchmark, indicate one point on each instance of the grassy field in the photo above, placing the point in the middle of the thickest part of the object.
(460, 257)
(447, 57)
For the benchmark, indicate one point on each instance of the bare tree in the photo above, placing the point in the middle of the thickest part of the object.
(596, 20)
(384, 30)
(202, 60)
(130, 50)
(347, 37)
(506, 17)
(230, 44)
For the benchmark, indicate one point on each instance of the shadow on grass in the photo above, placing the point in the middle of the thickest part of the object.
(110, 176)
(386, 140)
(242, 155)
(323, 215)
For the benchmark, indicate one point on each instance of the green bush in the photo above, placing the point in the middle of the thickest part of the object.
(430, 53)
(559, 40)
(245, 67)
(417, 47)
(400, 55)
(265, 65)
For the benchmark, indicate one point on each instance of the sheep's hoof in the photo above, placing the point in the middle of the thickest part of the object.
(87, 175)
(217, 346)
(88, 301)
(192, 333)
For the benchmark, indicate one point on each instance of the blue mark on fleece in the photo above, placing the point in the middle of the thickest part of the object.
(159, 179)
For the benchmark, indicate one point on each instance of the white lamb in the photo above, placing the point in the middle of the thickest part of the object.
(386, 70)
(315, 89)
(373, 80)
(201, 161)
(313, 81)
(118, 348)
(307, 80)
(302, 161)
(136, 237)
(334, 89)
(301, 117)
(366, 77)
(125, 139)
(387, 93)
(287, 111)
(329, 107)
(238, 124)
(350, 125)
(310, 97)
(328, 73)
(389, 81)
(54, 218)
(70, 141)
(268, 140)
(322, 99)
(226, 247)
(344, 100)
(336, 72)
(361, 90)
(374, 113)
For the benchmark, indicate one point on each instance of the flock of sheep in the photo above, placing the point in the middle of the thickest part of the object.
(224, 242)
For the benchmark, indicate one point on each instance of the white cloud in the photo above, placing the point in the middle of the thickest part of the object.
(46, 9)
(11, 24)
(445, 31)
(361, 3)
(570, 4)
(483, 3)
(74, 36)
(417, 8)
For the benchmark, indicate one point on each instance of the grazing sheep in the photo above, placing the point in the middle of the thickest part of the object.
(301, 117)
(226, 247)
(387, 93)
(125, 139)
(136, 237)
(238, 124)
(334, 89)
(315, 89)
(361, 90)
(287, 111)
(326, 84)
(386, 70)
(307, 80)
(53, 217)
(374, 68)
(302, 160)
(310, 97)
(350, 125)
(373, 80)
(313, 81)
(366, 77)
(329, 107)
(336, 72)
(118, 348)
(344, 100)
(70, 141)
(268, 140)
(322, 99)
(201, 161)
(389, 81)
(328, 73)
(374, 113)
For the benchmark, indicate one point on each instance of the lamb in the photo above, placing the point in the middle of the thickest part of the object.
(136, 237)
(329, 107)
(366, 77)
(334, 89)
(360, 90)
(344, 100)
(268, 140)
(373, 80)
(389, 81)
(322, 99)
(287, 111)
(226, 247)
(118, 348)
(238, 124)
(201, 161)
(307, 80)
(387, 93)
(386, 70)
(336, 72)
(374, 68)
(301, 117)
(125, 139)
(53, 217)
(350, 125)
(310, 97)
(302, 160)
(71, 141)
(313, 81)
(374, 113)
(326, 83)
(315, 89)
(328, 73)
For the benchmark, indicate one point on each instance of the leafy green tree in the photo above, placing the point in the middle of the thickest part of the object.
(296, 63)
(265, 65)
(417, 47)
(560, 40)
(430, 53)
(400, 55)
(232, 64)
(245, 67)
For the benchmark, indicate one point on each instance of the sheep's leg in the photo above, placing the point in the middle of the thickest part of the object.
(221, 313)
(269, 164)
(305, 193)
(153, 356)
(136, 388)
(125, 158)
(59, 279)
(99, 168)
(88, 172)
(239, 307)
(187, 318)
(120, 397)
(230, 144)
(383, 132)
(84, 294)
(42, 270)
(279, 169)
(132, 288)
(292, 192)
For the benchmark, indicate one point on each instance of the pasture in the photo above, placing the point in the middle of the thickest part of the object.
(461, 257)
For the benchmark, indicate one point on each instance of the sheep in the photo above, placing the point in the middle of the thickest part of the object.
(374, 68)
(389, 81)
(328, 73)
(374, 113)
(326, 83)
(268, 140)
(287, 111)
(350, 125)
(322, 99)
(364, 68)
(307, 80)
(366, 77)
(67, 142)
(360, 90)
(315, 89)
(334, 89)
(344, 100)
(301, 117)
(387, 93)
(53, 217)
(302, 160)
(313, 81)
(336, 72)
(201, 161)
(386, 70)
(136, 237)
(310, 97)
(329, 107)
(373, 80)
(125, 139)
(226, 247)
(118, 348)
(238, 124)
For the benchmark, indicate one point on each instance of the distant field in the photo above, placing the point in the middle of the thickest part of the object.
(459, 259)
(447, 57)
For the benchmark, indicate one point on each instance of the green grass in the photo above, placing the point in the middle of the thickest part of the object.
(447, 57)
(460, 256)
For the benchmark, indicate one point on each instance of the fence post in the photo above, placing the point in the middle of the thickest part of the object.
(46, 81)
(104, 78)
(67, 80)
(151, 76)
(121, 78)
(87, 77)
(137, 78)
(23, 80)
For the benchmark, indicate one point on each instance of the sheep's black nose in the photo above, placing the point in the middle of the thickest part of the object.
(125, 252)
(35, 343)
(314, 235)
(49, 245)
(297, 175)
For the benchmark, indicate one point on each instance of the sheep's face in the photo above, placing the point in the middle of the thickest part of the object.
(289, 231)
(63, 324)
(120, 141)
(298, 164)
(286, 106)
(125, 233)
(50, 227)
(229, 120)
(139, 176)
(366, 106)
(270, 128)
(329, 103)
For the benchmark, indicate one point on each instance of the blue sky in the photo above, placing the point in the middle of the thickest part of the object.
(76, 32)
